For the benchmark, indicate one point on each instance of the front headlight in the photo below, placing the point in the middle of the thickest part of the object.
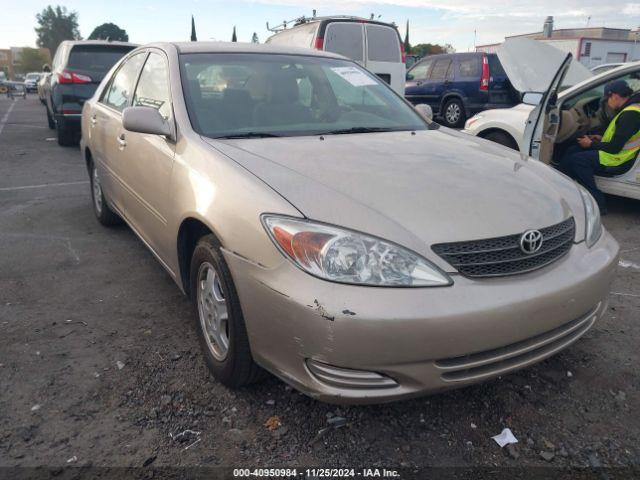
(471, 121)
(592, 218)
(343, 256)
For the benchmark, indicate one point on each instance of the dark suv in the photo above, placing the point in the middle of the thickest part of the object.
(77, 70)
(459, 85)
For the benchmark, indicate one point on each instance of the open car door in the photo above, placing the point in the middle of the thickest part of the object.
(544, 121)
(536, 67)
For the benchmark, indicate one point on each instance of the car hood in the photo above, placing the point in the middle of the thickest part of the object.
(532, 64)
(416, 189)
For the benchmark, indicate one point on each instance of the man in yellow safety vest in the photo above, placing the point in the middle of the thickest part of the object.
(615, 151)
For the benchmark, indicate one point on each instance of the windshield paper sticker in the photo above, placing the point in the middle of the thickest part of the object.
(354, 76)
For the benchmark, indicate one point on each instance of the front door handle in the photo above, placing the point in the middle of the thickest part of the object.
(93, 121)
(121, 141)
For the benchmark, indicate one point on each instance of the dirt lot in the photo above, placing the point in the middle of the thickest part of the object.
(99, 364)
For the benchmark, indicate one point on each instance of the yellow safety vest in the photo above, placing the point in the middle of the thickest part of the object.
(629, 150)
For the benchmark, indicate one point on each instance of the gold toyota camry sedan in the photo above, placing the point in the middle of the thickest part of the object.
(329, 233)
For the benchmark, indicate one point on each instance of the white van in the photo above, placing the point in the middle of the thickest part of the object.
(374, 45)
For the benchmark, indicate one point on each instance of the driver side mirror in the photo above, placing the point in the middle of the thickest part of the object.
(532, 98)
(145, 120)
(409, 77)
(425, 111)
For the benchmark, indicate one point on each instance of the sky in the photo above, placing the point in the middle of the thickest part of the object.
(431, 21)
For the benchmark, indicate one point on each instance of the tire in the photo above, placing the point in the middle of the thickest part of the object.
(453, 113)
(101, 209)
(503, 139)
(214, 298)
(50, 121)
(66, 136)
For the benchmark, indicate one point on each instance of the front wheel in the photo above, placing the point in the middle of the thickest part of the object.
(219, 320)
(104, 214)
(453, 113)
(503, 139)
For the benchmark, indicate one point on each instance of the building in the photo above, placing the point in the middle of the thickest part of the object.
(591, 46)
(10, 59)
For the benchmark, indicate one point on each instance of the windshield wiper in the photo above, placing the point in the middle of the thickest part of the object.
(250, 135)
(359, 130)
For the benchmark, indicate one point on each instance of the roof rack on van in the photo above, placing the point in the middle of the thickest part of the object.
(302, 20)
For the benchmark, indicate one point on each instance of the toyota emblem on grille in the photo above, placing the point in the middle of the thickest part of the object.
(531, 241)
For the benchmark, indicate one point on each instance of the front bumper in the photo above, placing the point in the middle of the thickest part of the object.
(343, 344)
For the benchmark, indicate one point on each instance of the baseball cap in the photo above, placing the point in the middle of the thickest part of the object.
(618, 86)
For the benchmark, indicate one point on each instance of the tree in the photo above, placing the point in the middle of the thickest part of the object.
(194, 38)
(424, 49)
(407, 45)
(234, 38)
(109, 31)
(54, 26)
(254, 38)
(31, 60)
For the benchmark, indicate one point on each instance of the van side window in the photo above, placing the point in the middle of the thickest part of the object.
(470, 67)
(441, 69)
(383, 44)
(345, 38)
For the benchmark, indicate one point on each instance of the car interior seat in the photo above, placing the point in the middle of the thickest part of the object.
(282, 106)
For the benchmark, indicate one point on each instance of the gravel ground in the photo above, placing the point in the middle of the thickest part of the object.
(99, 363)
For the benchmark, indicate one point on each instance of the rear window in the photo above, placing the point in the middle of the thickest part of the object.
(95, 58)
(345, 39)
(470, 67)
(383, 44)
(495, 67)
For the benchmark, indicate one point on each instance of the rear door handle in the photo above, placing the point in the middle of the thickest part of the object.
(121, 141)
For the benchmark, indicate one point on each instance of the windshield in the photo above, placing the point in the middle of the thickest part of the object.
(253, 95)
(32, 76)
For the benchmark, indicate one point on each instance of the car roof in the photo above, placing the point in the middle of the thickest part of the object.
(73, 43)
(241, 47)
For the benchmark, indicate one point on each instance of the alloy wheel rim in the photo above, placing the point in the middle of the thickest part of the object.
(97, 191)
(213, 311)
(453, 113)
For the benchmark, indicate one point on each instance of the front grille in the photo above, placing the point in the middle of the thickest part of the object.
(499, 360)
(494, 257)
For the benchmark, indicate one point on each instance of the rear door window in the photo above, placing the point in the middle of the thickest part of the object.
(95, 58)
(383, 44)
(441, 69)
(118, 94)
(345, 38)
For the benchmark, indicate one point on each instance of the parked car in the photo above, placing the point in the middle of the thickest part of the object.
(44, 77)
(31, 81)
(605, 67)
(581, 109)
(328, 233)
(458, 85)
(3, 80)
(372, 44)
(77, 70)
